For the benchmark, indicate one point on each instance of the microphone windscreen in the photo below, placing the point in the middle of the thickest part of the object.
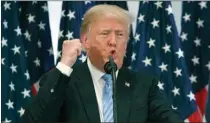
(110, 65)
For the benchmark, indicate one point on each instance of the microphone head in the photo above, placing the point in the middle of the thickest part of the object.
(110, 65)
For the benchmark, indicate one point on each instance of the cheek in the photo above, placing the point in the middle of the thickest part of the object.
(122, 49)
(99, 47)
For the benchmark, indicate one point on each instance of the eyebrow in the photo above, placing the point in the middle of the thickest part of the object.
(116, 30)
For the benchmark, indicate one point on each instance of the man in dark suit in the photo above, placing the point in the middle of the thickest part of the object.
(84, 92)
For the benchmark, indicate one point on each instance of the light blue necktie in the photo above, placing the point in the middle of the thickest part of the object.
(107, 99)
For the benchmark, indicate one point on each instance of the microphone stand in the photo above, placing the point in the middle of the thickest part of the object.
(113, 71)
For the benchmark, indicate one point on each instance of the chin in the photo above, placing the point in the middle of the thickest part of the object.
(119, 63)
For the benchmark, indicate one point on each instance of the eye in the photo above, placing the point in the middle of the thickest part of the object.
(120, 34)
(104, 33)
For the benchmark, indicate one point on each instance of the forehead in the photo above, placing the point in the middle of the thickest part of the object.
(107, 23)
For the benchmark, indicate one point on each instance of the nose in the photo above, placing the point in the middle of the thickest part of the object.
(113, 41)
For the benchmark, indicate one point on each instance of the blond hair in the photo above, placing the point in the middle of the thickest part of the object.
(104, 10)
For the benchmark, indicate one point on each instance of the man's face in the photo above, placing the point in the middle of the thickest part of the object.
(107, 37)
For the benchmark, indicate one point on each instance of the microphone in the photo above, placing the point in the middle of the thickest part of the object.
(110, 68)
(110, 65)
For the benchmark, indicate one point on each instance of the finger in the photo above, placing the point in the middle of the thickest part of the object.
(79, 50)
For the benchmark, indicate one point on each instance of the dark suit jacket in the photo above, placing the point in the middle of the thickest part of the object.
(62, 98)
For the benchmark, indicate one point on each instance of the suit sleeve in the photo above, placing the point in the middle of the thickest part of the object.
(159, 107)
(46, 105)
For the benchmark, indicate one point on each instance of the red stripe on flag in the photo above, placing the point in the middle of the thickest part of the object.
(201, 98)
(195, 117)
(34, 91)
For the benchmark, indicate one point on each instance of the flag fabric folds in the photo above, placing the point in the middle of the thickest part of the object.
(195, 39)
(208, 103)
(26, 54)
(157, 51)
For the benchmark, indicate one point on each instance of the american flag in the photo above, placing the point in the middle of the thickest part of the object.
(195, 39)
(157, 50)
(26, 54)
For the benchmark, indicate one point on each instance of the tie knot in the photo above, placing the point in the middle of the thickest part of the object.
(107, 78)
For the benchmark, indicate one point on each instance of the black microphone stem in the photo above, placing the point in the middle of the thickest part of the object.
(114, 91)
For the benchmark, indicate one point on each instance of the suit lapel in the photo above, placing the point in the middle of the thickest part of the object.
(87, 92)
(124, 92)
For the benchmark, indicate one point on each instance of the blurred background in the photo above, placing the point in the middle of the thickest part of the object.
(169, 40)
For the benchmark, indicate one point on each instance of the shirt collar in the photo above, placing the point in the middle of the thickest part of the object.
(97, 74)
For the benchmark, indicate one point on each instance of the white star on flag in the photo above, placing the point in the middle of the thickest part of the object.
(208, 66)
(27, 75)
(41, 26)
(18, 31)
(168, 29)
(12, 86)
(186, 17)
(155, 23)
(141, 18)
(7, 121)
(31, 18)
(3, 42)
(58, 54)
(13, 68)
(147, 61)
(83, 58)
(195, 60)
(166, 48)
(71, 15)
(63, 13)
(25, 93)
(27, 35)
(203, 4)
(5, 23)
(160, 85)
(197, 42)
(133, 57)
(37, 62)
(151, 42)
(21, 111)
(184, 36)
(137, 37)
(7, 6)
(176, 91)
(60, 35)
(50, 51)
(180, 53)
(193, 78)
(178, 72)
(2, 61)
(169, 9)
(163, 67)
(158, 4)
(39, 43)
(10, 104)
(16, 50)
(87, 2)
(45, 7)
(200, 23)
(69, 35)
(191, 96)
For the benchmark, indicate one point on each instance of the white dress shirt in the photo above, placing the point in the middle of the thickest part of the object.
(98, 82)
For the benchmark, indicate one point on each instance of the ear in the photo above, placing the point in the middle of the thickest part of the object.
(85, 41)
